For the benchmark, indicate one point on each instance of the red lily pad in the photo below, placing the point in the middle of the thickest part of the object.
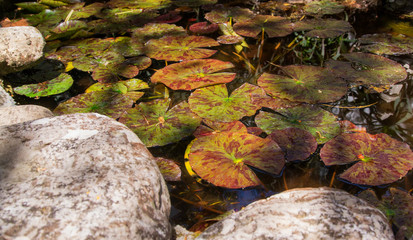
(379, 158)
(323, 7)
(320, 123)
(211, 127)
(274, 26)
(157, 30)
(156, 125)
(224, 14)
(203, 27)
(255, 131)
(297, 144)
(107, 103)
(323, 28)
(170, 17)
(213, 103)
(386, 44)
(309, 84)
(223, 159)
(193, 74)
(178, 48)
(55, 86)
(169, 169)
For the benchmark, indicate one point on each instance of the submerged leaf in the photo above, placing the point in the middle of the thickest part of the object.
(55, 86)
(169, 169)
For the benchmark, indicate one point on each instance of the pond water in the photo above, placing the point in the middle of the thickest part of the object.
(197, 203)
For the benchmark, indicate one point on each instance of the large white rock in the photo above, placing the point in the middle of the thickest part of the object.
(306, 213)
(20, 47)
(22, 113)
(79, 176)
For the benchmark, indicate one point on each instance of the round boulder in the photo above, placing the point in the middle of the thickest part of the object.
(22, 113)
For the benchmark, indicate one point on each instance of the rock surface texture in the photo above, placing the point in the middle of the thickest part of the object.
(5, 99)
(79, 176)
(306, 213)
(22, 113)
(20, 47)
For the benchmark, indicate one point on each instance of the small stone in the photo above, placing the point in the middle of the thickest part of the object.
(5, 99)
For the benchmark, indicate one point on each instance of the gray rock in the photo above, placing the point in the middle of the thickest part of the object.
(305, 213)
(5, 99)
(79, 176)
(20, 48)
(22, 113)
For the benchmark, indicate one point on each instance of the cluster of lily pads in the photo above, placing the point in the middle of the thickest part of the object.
(284, 103)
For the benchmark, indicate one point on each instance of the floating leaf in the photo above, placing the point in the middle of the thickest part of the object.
(157, 30)
(107, 103)
(274, 26)
(223, 159)
(212, 127)
(110, 73)
(67, 29)
(213, 103)
(169, 169)
(157, 126)
(224, 14)
(230, 39)
(380, 158)
(320, 123)
(86, 64)
(323, 28)
(94, 46)
(33, 7)
(55, 86)
(386, 44)
(146, 4)
(323, 7)
(127, 47)
(85, 12)
(170, 17)
(203, 28)
(194, 3)
(309, 84)
(53, 3)
(177, 48)
(119, 87)
(193, 74)
(296, 143)
(141, 62)
(122, 14)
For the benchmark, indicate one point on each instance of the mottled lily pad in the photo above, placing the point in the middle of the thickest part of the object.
(141, 62)
(230, 39)
(53, 3)
(320, 123)
(85, 12)
(212, 127)
(386, 44)
(224, 14)
(223, 159)
(193, 74)
(274, 26)
(157, 126)
(108, 103)
(146, 4)
(55, 86)
(213, 103)
(157, 30)
(323, 7)
(170, 17)
(127, 47)
(369, 69)
(119, 87)
(178, 48)
(169, 169)
(110, 73)
(323, 28)
(32, 7)
(397, 205)
(194, 3)
(67, 29)
(297, 144)
(379, 158)
(309, 84)
(203, 27)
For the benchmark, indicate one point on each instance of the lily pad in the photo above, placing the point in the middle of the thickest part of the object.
(320, 123)
(212, 127)
(127, 47)
(323, 7)
(66, 29)
(213, 103)
(156, 125)
(119, 87)
(32, 7)
(224, 14)
(369, 69)
(53, 3)
(309, 84)
(141, 62)
(157, 30)
(178, 48)
(386, 44)
(145, 4)
(193, 3)
(296, 143)
(230, 39)
(110, 73)
(203, 27)
(323, 28)
(108, 103)
(379, 158)
(170, 17)
(193, 74)
(223, 159)
(169, 169)
(85, 12)
(274, 26)
(55, 86)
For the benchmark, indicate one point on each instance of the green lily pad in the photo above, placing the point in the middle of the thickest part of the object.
(32, 7)
(67, 29)
(320, 123)
(274, 26)
(110, 73)
(55, 86)
(157, 126)
(212, 127)
(53, 3)
(369, 69)
(94, 45)
(309, 84)
(397, 205)
(386, 44)
(379, 158)
(85, 12)
(323, 28)
(296, 143)
(86, 64)
(157, 30)
(169, 169)
(45, 20)
(193, 74)
(178, 48)
(119, 87)
(119, 15)
(213, 103)
(224, 14)
(323, 7)
(127, 47)
(193, 3)
(223, 159)
(145, 4)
